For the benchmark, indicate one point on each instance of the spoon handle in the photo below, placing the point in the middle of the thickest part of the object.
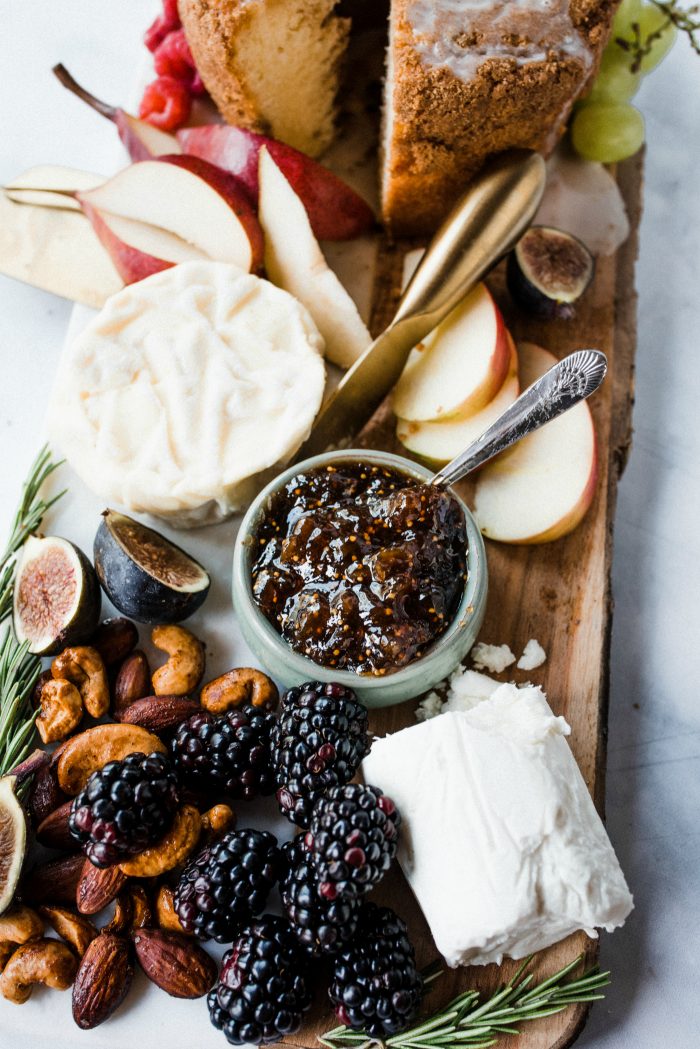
(571, 380)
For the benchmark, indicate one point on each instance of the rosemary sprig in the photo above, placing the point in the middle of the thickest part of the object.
(18, 673)
(467, 1022)
(28, 517)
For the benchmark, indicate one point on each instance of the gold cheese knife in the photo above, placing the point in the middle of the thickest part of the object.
(482, 227)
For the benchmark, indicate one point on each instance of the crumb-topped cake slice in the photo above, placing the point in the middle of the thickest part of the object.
(271, 65)
(470, 78)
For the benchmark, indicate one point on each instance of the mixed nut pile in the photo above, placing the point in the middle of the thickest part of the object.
(140, 806)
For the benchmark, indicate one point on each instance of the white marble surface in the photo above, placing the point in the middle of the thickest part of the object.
(653, 788)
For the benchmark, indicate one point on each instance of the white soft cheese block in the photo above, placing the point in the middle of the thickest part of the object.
(186, 389)
(500, 840)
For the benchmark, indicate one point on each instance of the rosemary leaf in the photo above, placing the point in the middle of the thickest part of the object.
(468, 1022)
(28, 517)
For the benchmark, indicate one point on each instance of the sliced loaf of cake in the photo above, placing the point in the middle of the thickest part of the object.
(470, 78)
(271, 65)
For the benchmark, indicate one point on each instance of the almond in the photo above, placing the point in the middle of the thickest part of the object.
(158, 713)
(114, 639)
(55, 881)
(175, 963)
(97, 886)
(133, 681)
(53, 831)
(103, 980)
(91, 750)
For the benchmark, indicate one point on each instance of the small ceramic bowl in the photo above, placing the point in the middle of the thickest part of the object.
(290, 668)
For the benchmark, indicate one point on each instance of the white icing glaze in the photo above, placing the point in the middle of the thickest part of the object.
(460, 35)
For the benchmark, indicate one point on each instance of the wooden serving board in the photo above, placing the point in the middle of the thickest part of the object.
(558, 593)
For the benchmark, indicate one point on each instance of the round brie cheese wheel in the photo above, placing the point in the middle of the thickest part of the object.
(187, 390)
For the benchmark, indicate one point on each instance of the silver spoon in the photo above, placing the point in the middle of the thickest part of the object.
(572, 380)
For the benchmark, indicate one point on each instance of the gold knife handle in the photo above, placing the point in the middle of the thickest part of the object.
(485, 224)
(481, 228)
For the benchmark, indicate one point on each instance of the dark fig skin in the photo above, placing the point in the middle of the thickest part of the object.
(131, 588)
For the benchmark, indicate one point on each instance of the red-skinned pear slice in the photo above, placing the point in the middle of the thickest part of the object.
(137, 249)
(140, 138)
(439, 442)
(540, 489)
(336, 212)
(295, 262)
(459, 367)
(190, 199)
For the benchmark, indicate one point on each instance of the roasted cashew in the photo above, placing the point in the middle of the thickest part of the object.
(216, 821)
(7, 949)
(19, 924)
(132, 910)
(42, 961)
(173, 848)
(237, 687)
(61, 710)
(185, 667)
(75, 929)
(165, 911)
(84, 667)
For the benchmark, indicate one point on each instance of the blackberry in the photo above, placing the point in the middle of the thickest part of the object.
(227, 884)
(376, 987)
(318, 742)
(262, 991)
(124, 807)
(229, 754)
(321, 926)
(352, 839)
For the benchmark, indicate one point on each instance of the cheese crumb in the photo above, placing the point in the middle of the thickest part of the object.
(494, 658)
(429, 707)
(533, 656)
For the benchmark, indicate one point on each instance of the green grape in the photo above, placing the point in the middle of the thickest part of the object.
(627, 13)
(615, 81)
(607, 131)
(649, 19)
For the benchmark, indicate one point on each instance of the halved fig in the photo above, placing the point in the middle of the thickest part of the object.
(13, 841)
(548, 272)
(145, 576)
(57, 596)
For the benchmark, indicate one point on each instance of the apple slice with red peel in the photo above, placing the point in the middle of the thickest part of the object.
(190, 199)
(539, 489)
(336, 212)
(295, 262)
(459, 367)
(141, 139)
(137, 249)
(440, 442)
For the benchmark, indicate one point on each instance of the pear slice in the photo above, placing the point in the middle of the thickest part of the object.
(187, 198)
(294, 261)
(540, 489)
(141, 139)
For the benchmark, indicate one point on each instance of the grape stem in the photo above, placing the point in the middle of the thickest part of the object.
(683, 18)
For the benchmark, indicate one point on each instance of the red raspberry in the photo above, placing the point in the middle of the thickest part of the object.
(163, 24)
(174, 58)
(171, 12)
(166, 103)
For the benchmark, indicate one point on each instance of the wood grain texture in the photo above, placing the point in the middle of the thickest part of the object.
(558, 593)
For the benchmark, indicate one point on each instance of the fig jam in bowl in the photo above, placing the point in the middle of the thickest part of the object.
(348, 568)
